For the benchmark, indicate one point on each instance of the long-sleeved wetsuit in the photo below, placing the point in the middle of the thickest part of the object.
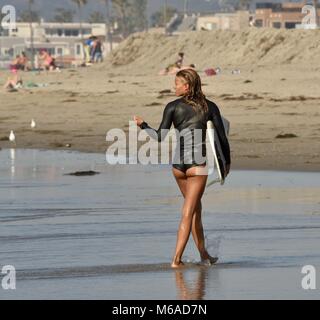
(192, 149)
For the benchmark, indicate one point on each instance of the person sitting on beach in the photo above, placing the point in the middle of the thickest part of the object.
(20, 62)
(179, 62)
(175, 70)
(14, 82)
(23, 62)
(48, 61)
(191, 66)
(172, 69)
(15, 63)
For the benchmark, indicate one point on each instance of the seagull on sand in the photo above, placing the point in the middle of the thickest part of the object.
(33, 124)
(12, 137)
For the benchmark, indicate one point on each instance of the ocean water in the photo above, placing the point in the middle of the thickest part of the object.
(112, 235)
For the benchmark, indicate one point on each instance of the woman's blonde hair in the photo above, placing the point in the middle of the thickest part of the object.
(194, 96)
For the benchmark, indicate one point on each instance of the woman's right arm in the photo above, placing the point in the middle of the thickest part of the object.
(165, 125)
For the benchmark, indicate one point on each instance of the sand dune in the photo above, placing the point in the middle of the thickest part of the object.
(221, 47)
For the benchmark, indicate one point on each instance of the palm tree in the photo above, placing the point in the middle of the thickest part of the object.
(123, 6)
(80, 4)
(62, 15)
(108, 24)
(96, 17)
(30, 3)
(244, 4)
(165, 15)
(315, 4)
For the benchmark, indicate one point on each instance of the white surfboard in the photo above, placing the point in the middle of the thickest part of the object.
(218, 157)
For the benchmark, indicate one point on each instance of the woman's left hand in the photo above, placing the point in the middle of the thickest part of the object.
(138, 120)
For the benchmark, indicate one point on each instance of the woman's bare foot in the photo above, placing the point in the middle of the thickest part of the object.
(176, 265)
(210, 261)
(207, 259)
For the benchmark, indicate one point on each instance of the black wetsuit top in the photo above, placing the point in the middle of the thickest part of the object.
(184, 116)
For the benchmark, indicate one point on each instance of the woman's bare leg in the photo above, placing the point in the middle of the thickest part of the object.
(197, 230)
(181, 179)
(198, 236)
(197, 227)
(10, 84)
(195, 186)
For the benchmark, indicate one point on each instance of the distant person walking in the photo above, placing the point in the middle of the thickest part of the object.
(97, 54)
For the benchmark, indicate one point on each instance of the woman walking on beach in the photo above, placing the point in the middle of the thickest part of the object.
(190, 112)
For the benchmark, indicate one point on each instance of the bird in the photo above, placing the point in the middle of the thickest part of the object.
(33, 124)
(12, 137)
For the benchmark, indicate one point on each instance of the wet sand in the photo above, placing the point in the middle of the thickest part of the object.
(112, 235)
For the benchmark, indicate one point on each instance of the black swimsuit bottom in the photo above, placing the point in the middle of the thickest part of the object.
(191, 148)
(185, 167)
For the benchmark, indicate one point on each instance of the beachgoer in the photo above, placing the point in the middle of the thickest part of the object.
(179, 62)
(191, 111)
(174, 67)
(15, 82)
(251, 22)
(23, 62)
(47, 60)
(15, 63)
(191, 66)
(174, 70)
(97, 54)
(87, 49)
(93, 48)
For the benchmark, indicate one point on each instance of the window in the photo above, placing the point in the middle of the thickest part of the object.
(59, 51)
(211, 26)
(71, 32)
(276, 25)
(290, 25)
(87, 31)
(292, 10)
(4, 33)
(78, 49)
(258, 23)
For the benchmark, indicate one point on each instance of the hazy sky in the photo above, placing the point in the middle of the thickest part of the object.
(46, 7)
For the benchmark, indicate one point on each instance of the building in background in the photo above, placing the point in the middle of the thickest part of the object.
(233, 21)
(280, 15)
(48, 30)
(267, 15)
(63, 40)
(182, 22)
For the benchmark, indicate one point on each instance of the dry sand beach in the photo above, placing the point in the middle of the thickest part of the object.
(273, 104)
